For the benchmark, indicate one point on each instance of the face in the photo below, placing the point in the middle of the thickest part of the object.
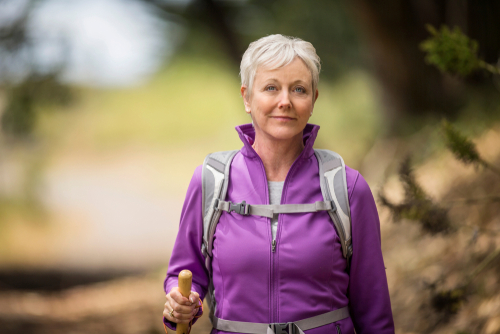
(281, 101)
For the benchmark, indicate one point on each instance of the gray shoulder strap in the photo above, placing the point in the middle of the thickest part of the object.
(334, 188)
(214, 180)
(215, 174)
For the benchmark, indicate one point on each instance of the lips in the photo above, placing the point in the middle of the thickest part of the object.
(283, 118)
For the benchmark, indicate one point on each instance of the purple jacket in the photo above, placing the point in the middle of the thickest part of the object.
(307, 274)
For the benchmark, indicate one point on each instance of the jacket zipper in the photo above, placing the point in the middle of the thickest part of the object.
(273, 249)
(274, 270)
(338, 329)
(278, 235)
(274, 299)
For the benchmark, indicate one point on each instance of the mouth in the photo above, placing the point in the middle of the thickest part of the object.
(283, 118)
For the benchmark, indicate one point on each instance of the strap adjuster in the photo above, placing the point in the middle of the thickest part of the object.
(241, 208)
(283, 328)
(334, 207)
(204, 249)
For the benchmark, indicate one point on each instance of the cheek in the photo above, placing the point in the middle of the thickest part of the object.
(304, 108)
(262, 107)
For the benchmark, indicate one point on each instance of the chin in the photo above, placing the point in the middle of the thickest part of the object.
(285, 133)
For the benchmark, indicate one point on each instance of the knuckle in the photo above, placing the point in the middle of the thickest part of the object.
(183, 316)
(177, 297)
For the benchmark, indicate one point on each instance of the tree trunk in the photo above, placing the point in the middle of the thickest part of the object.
(393, 29)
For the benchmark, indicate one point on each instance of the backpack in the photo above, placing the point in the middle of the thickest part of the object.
(215, 179)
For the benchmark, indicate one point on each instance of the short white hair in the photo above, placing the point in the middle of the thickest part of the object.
(275, 51)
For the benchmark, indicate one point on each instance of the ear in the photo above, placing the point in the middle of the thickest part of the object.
(315, 96)
(244, 94)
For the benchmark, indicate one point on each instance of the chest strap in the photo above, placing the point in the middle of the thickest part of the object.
(296, 327)
(269, 210)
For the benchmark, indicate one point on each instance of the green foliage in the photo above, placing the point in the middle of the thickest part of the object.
(448, 302)
(451, 51)
(462, 147)
(412, 188)
(417, 205)
(19, 116)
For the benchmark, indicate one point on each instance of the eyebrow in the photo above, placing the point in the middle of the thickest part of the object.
(294, 82)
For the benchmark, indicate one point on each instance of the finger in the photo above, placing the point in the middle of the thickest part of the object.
(178, 297)
(168, 315)
(174, 318)
(194, 297)
(182, 317)
(180, 309)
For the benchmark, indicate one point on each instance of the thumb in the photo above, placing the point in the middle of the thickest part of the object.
(194, 297)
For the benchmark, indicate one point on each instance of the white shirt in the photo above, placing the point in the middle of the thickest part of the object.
(275, 191)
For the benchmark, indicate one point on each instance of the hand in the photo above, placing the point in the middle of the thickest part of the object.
(184, 308)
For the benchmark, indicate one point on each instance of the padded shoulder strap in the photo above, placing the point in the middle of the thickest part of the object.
(334, 188)
(214, 176)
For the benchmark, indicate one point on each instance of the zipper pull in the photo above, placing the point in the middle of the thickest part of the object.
(274, 245)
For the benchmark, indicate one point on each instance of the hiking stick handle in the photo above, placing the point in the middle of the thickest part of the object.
(185, 279)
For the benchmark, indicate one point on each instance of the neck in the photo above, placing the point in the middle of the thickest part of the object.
(278, 155)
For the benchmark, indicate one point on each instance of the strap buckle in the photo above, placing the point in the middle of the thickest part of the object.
(283, 328)
(241, 208)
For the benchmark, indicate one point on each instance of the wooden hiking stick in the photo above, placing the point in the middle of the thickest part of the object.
(185, 279)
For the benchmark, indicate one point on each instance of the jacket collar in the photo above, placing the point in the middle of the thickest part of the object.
(247, 136)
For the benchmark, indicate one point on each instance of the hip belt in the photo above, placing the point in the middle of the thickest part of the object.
(296, 327)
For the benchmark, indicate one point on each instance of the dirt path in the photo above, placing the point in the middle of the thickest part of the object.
(123, 306)
(113, 212)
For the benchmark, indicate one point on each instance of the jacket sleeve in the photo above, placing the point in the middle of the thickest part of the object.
(187, 248)
(369, 301)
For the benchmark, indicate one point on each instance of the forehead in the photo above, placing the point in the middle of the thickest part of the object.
(294, 71)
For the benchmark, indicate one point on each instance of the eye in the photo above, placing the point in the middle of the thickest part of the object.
(270, 88)
(299, 90)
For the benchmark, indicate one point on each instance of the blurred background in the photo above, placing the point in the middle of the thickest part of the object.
(108, 106)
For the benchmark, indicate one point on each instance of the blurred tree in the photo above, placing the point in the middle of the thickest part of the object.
(394, 29)
(205, 16)
(383, 35)
(391, 32)
(23, 84)
(229, 26)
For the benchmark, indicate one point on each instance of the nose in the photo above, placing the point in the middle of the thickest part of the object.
(285, 102)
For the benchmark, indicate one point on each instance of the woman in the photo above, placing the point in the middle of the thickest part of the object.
(289, 268)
